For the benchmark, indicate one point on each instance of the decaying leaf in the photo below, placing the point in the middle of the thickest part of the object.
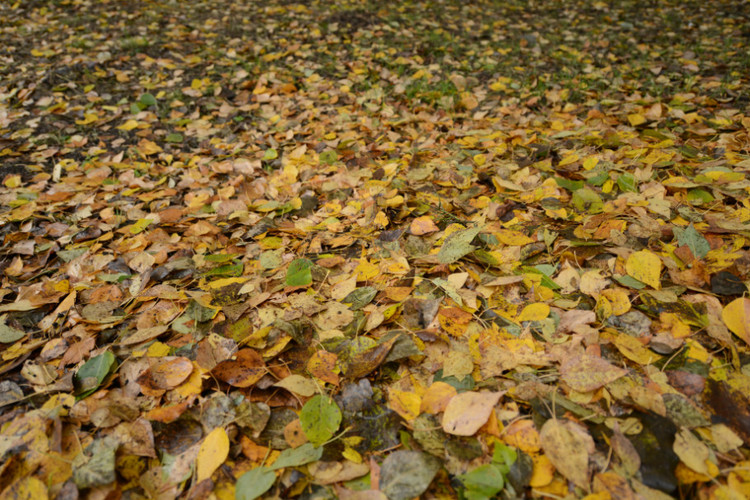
(302, 249)
(568, 446)
(467, 412)
(245, 370)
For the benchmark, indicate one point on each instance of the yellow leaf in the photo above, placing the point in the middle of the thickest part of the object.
(405, 403)
(590, 162)
(572, 158)
(635, 119)
(534, 312)
(366, 270)
(543, 471)
(222, 282)
(128, 125)
(480, 159)
(88, 118)
(692, 451)
(147, 147)
(512, 238)
(436, 397)
(351, 454)
(26, 488)
(619, 300)
(568, 446)
(632, 349)
(736, 316)
(645, 266)
(522, 434)
(212, 453)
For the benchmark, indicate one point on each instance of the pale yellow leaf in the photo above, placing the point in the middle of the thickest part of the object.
(213, 451)
(568, 446)
(467, 412)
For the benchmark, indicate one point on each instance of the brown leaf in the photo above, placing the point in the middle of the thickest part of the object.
(166, 374)
(362, 363)
(245, 370)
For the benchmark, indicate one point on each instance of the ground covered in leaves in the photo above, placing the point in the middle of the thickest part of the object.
(374, 250)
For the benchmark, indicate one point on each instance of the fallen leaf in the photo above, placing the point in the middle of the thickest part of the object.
(736, 316)
(212, 453)
(568, 446)
(589, 373)
(166, 374)
(467, 412)
(245, 370)
(645, 266)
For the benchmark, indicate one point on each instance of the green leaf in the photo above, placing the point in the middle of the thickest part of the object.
(140, 225)
(294, 457)
(113, 277)
(597, 178)
(504, 456)
(148, 99)
(174, 137)
(571, 186)
(694, 240)
(457, 244)
(630, 282)
(68, 255)
(699, 197)
(227, 270)
(89, 377)
(485, 481)
(360, 297)
(586, 200)
(221, 257)
(254, 483)
(626, 182)
(270, 154)
(299, 273)
(320, 419)
(8, 334)
(328, 157)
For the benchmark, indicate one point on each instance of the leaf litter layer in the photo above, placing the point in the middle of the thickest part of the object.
(374, 250)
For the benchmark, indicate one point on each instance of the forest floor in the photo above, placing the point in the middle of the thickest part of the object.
(374, 250)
